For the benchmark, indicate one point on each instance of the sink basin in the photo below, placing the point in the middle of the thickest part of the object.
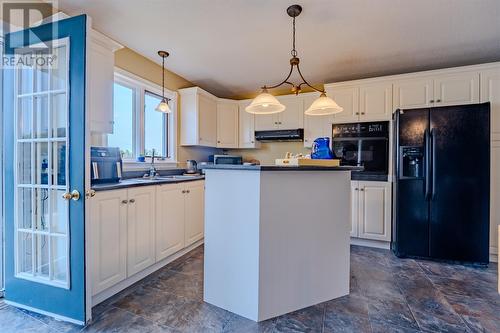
(179, 177)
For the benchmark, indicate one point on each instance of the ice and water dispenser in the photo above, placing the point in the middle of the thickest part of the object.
(412, 162)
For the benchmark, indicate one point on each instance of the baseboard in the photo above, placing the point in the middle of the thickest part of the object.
(45, 313)
(105, 294)
(493, 254)
(371, 243)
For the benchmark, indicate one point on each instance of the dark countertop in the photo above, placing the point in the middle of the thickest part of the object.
(276, 167)
(134, 182)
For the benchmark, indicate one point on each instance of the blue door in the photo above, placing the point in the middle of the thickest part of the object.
(44, 140)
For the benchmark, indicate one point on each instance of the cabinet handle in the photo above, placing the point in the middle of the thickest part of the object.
(357, 113)
(280, 122)
(362, 113)
(218, 141)
(437, 101)
(361, 189)
(188, 191)
(132, 200)
(275, 123)
(124, 202)
(431, 101)
(253, 141)
(183, 191)
(356, 189)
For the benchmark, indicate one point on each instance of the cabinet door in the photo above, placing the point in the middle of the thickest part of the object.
(207, 108)
(108, 241)
(141, 228)
(195, 212)
(490, 92)
(266, 122)
(354, 208)
(375, 101)
(169, 220)
(101, 78)
(495, 194)
(456, 89)
(413, 93)
(374, 210)
(315, 126)
(348, 98)
(246, 127)
(293, 116)
(227, 125)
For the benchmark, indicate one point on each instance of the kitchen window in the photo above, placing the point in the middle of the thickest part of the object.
(138, 127)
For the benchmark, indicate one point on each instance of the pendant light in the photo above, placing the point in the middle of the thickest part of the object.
(163, 106)
(265, 103)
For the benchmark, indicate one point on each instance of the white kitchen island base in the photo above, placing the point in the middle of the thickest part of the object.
(276, 239)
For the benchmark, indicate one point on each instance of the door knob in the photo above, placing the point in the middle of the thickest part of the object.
(73, 195)
(90, 194)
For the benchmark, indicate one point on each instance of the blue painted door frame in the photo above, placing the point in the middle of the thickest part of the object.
(66, 303)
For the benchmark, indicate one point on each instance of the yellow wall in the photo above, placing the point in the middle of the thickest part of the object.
(139, 65)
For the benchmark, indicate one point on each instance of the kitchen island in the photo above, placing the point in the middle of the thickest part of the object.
(276, 238)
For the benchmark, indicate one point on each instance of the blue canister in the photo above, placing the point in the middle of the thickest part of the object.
(321, 149)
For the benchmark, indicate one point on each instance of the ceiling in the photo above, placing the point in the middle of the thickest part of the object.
(233, 47)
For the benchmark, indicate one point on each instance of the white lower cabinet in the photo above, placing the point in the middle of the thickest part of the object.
(372, 220)
(108, 243)
(132, 229)
(169, 220)
(194, 207)
(494, 196)
(141, 229)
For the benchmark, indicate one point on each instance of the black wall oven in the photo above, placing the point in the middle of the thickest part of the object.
(363, 144)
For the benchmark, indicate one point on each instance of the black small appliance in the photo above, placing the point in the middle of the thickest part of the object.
(363, 144)
(106, 165)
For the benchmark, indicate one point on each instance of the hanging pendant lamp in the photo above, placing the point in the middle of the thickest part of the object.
(163, 106)
(265, 103)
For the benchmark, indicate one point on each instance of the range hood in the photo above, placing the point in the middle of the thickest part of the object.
(280, 135)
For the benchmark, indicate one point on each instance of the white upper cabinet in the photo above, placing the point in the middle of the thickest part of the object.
(141, 228)
(375, 101)
(291, 118)
(246, 127)
(347, 98)
(227, 124)
(439, 90)
(101, 66)
(413, 93)
(169, 220)
(490, 92)
(315, 126)
(456, 89)
(198, 118)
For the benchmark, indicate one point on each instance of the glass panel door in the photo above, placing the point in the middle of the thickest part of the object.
(44, 149)
(41, 236)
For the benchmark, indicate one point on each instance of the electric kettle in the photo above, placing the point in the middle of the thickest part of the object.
(191, 166)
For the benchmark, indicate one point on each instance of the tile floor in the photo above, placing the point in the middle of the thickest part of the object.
(387, 295)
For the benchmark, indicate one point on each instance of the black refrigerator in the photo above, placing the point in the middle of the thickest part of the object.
(441, 189)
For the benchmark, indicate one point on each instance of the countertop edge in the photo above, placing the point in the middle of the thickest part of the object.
(277, 168)
(125, 185)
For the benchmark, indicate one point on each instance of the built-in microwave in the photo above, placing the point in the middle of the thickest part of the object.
(363, 144)
(225, 159)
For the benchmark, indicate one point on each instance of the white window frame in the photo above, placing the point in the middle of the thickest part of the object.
(140, 87)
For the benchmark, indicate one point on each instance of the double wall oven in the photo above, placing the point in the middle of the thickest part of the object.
(363, 144)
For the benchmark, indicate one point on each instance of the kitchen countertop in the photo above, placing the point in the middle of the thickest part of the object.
(134, 182)
(277, 167)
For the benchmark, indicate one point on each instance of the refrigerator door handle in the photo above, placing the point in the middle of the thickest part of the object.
(427, 156)
(433, 163)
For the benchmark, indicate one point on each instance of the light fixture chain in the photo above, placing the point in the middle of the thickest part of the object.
(294, 51)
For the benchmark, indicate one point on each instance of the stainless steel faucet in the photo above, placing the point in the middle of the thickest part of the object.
(152, 173)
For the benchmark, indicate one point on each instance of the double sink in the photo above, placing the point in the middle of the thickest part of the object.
(156, 179)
